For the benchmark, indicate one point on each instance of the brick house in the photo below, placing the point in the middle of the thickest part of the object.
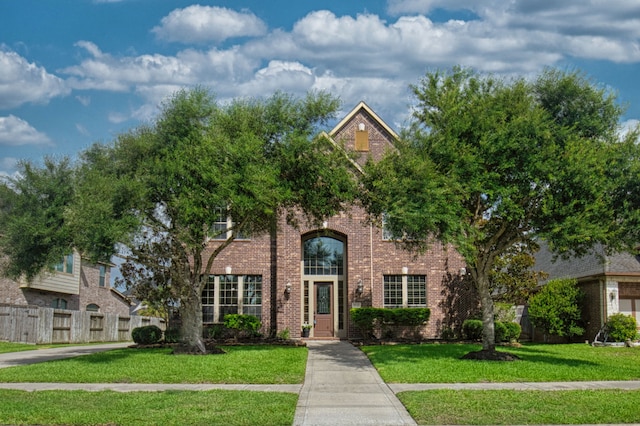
(75, 285)
(315, 275)
(611, 284)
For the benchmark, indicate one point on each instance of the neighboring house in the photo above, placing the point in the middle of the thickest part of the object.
(611, 283)
(74, 284)
(315, 275)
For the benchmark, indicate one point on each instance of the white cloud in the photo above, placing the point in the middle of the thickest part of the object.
(196, 24)
(8, 167)
(628, 126)
(84, 100)
(82, 130)
(14, 131)
(23, 82)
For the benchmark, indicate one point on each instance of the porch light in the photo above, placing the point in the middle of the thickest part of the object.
(405, 270)
(287, 288)
(227, 270)
(360, 287)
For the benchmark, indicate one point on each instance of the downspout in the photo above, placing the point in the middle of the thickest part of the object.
(371, 259)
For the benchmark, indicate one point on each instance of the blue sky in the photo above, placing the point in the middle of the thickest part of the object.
(77, 72)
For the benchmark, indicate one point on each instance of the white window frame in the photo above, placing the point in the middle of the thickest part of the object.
(405, 290)
(215, 309)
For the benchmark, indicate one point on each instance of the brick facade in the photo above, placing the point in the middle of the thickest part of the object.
(278, 258)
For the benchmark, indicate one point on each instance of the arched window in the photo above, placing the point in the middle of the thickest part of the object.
(59, 303)
(92, 307)
(323, 256)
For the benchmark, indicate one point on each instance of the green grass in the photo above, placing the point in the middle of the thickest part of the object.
(441, 363)
(241, 364)
(147, 408)
(444, 407)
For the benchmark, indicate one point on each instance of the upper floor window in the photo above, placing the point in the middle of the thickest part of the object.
(323, 256)
(66, 265)
(223, 226)
(103, 275)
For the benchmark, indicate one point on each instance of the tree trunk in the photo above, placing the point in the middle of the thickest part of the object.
(488, 327)
(191, 327)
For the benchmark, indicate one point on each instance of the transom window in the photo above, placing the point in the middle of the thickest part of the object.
(323, 256)
(405, 291)
(231, 294)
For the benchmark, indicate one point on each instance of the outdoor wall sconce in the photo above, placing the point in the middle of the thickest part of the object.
(359, 288)
(405, 270)
(287, 288)
(227, 270)
(613, 295)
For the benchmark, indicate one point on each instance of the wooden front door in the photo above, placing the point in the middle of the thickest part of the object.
(323, 312)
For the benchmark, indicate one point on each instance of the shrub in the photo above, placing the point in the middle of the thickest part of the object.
(368, 320)
(513, 331)
(172, 335)
(621, 327)
(284, 334)
(147, 335)
(556, 308)
(500, 331)
(243, 325)
(472, 329)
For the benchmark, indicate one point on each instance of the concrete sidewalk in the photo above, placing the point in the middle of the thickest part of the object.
(13, 359)
(341, 387)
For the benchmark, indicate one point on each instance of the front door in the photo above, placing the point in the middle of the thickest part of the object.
(323, 312)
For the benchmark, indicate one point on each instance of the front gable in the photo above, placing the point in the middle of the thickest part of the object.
(363, 132)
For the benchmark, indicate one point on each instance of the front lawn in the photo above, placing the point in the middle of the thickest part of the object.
(441, 363)
(147, 408)
(6, 347)
(259, 364)
(454, 407)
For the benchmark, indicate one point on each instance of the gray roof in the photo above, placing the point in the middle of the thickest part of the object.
(595, 263)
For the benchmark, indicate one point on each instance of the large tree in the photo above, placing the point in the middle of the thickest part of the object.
(490, 164)
(158, 191)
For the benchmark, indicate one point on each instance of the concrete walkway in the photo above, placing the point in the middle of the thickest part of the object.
(341, 386)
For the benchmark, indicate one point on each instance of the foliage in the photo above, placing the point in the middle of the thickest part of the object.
(368, 320)
(146, 335)
(504, 331)
(32, 208)
(491, 165)
(154, 194)
(621, 327)
(472, 329)
(244, 325)
(512, 278)
(172, 335)
(284, 334)
(556, 308)
(512, 331)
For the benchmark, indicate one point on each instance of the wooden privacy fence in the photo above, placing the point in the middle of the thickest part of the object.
(33, 324)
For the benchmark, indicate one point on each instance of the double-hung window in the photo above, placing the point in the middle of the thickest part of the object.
(405, 291)
(223, 226)
(66, 265)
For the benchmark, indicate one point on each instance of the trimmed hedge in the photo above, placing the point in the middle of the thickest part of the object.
(147, 335)
(367, 320)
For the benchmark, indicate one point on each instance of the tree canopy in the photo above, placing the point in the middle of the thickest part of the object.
(491, 164)
(159, 190)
